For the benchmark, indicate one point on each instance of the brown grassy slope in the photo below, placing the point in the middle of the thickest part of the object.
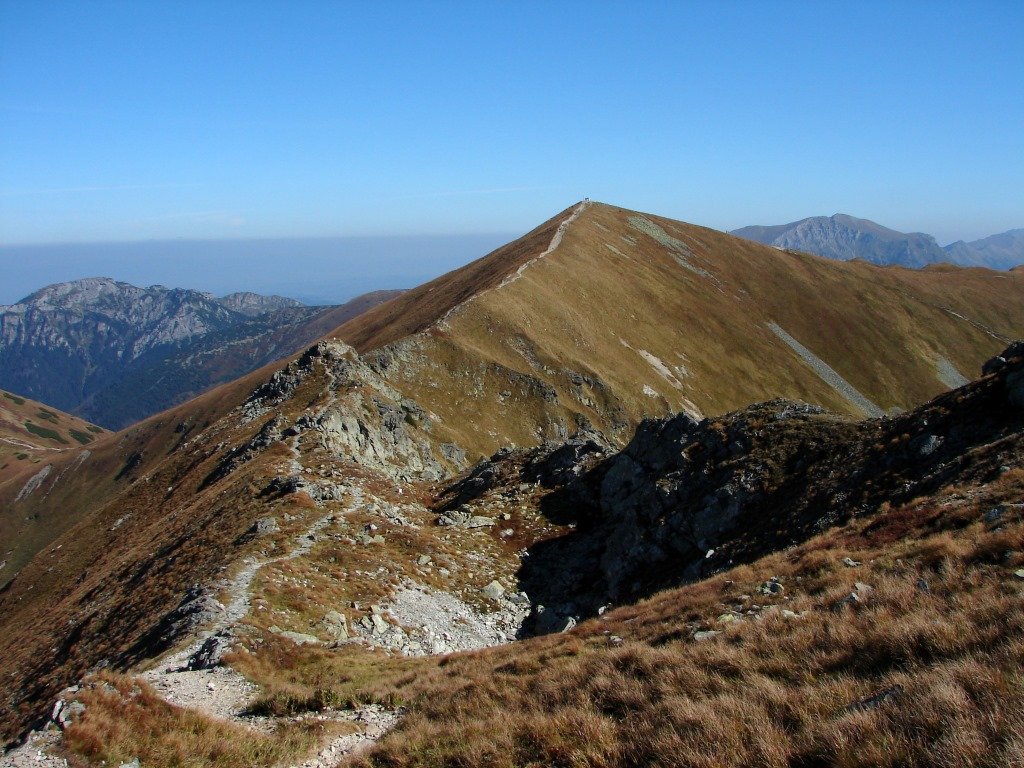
(922, 668)
(76, 485)
(30, 432)
(95, 591)
(578, 320)
(490, 373)
(423, 306)
(924, 671)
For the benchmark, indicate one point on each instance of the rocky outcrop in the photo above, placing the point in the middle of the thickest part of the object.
(685, 499)
(365, 419)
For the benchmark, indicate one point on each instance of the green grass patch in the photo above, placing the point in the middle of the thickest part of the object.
(94, 429)
(21, 456)
(15, 398)
(43, 432)
(82, 437)
(46, 415)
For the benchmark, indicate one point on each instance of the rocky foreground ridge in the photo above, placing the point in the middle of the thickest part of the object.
(530, 541)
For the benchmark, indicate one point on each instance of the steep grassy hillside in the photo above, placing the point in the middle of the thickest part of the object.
(31, 433)
(866, 611)
(635, 315)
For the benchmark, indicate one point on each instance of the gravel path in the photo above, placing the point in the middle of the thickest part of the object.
(555, 242)
(33, 753)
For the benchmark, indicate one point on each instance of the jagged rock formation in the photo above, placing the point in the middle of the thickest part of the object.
(115, 353)
(365, 419)
(686, 499)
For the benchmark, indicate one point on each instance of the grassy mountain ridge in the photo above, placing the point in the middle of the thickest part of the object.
(637, 315)
(599, 318)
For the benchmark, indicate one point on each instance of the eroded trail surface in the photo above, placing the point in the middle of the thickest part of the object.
(219, 691)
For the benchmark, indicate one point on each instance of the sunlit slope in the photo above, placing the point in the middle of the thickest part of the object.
(634, 315)
(31, 432)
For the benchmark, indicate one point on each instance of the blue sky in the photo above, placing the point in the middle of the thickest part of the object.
(145, 120)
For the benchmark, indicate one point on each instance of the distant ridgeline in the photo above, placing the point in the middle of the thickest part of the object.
(845, 237)
(115, 353)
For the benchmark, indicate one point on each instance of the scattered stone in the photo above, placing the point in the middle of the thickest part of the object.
(849, 562)
(507, 533)
(566, 624)
(772, 587)
(926, 445)
(479, 521)
(336, 625)
(423, 560)
(615, 640)
(922, 586)
(210, 652)
(994, 515)
(494, 591)
(705, 634)
(506, 516)
(133, 763)
(379, 625)
(265, 526)
(857, 596)
(1019, 574)
(728, 618)
(453, 517)
(65, 713)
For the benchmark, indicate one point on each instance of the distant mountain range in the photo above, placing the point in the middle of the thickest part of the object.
(115, 353)
(845, 237)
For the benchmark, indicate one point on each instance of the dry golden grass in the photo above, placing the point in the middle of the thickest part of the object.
(587, 310)
(125, 719)
(940, 634)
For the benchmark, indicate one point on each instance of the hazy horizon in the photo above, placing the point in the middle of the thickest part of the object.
(315, 270)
